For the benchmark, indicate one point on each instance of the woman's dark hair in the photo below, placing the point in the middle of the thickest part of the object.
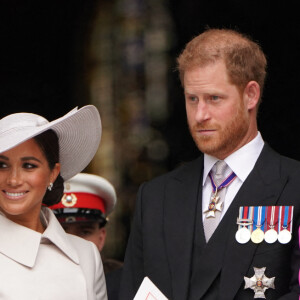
(48, 143)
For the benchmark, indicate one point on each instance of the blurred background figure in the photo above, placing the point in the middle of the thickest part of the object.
(83, 211)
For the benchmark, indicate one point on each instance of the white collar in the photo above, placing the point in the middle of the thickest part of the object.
(22, 244)
(241, 162)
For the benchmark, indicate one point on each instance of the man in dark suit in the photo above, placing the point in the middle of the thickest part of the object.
(196, 237)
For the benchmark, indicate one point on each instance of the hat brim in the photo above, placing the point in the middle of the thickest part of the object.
(79, 133)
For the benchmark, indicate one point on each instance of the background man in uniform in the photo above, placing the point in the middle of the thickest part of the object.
(87, 201)
(184, 235)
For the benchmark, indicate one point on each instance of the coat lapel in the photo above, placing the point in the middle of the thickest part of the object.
(56, 234)
(179, 211)
(14, 237)
(30, 240)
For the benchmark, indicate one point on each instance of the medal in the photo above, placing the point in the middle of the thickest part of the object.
(243, 234)
(257, 235)
(271, 234)
(284, 236)
(259, 283)
(285, 221)
(214, 204)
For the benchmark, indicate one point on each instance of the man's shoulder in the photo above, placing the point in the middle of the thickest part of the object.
(290, 166)
(181, 170)
(286, 164)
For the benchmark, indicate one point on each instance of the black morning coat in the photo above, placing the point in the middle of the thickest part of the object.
(167, 241)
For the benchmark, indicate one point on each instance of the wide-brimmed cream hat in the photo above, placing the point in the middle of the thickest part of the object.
(79, 134)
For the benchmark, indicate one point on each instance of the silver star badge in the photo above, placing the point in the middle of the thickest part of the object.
(213, 206)
(259, 283)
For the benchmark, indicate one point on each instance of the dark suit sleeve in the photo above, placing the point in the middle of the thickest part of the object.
(133, 272)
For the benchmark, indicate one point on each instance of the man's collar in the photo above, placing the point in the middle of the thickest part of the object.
(241, 162)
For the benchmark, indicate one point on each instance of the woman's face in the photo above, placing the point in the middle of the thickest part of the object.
(24, 178)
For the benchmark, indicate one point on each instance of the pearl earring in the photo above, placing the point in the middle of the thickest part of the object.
(50, 186)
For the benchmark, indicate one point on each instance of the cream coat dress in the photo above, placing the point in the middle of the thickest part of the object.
(49, 266)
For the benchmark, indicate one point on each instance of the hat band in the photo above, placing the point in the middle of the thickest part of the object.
(81, 200)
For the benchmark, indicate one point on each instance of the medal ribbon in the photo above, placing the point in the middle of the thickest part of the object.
(241, 214)
(272, 217)
(243, 220)
(259, 216)
(286, 216)
(225, 183)
(290, 226)
(264, 216)
(250, 216)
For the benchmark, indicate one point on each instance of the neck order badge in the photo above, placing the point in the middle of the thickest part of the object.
(214, 204)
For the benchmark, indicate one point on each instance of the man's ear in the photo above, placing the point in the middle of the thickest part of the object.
(101, 238)
(251, 94)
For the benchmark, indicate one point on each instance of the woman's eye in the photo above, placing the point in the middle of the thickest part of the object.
(29, 166)
(3, 165)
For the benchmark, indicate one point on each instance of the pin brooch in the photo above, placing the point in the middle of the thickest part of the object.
(69, 200)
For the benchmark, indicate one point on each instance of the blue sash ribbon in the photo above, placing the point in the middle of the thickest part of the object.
(225, 183)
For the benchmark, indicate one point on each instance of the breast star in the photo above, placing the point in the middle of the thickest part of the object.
(259, 283)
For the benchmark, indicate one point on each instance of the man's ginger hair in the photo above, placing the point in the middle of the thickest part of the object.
(243, 58)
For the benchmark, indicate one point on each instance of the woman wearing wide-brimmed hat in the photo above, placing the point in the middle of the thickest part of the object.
(38, 260)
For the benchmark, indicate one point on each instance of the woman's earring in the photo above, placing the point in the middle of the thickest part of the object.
(50, 186)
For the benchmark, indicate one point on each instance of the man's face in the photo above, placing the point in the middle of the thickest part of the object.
(90, 231)
(217, 113)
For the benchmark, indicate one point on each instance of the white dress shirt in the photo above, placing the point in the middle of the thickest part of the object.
(49, 266)
(241, 162)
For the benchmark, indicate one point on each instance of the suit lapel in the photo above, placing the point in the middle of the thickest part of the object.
(179, 222)
(262, 187)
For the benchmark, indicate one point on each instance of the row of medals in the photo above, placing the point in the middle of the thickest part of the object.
(244, 235)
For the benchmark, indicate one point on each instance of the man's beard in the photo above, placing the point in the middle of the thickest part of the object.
(228, 137)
